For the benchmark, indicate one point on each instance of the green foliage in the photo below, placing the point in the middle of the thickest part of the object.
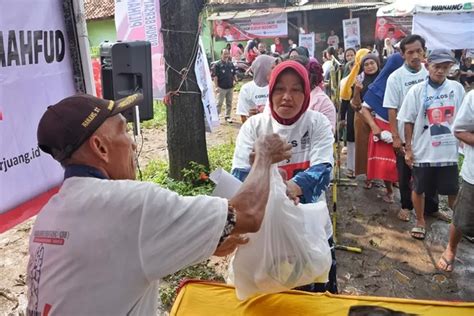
(195, 182)
(201, 271)
(221, 156)
(460, 162)
(159, 116)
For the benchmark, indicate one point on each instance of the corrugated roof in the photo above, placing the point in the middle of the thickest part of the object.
(236, 1)
(99, 9)
(241, 14)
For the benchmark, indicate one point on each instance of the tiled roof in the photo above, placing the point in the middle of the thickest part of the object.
(99, 9)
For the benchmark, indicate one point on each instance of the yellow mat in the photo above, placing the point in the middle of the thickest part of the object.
(212, 299)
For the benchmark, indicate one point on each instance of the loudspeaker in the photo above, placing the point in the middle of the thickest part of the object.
(126, 69)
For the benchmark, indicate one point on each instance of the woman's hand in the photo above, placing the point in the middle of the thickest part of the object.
(356, 105)
(230, 244)
(376, 131)
(293, 191)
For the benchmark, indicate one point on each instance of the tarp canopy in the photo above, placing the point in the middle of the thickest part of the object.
(203, 299)
(412, 7)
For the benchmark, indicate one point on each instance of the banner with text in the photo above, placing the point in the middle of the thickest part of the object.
(35, 72)
(351, 28)
(450, 31)
(204, 81)
(140, 20)
(266, 26)
(308, 41)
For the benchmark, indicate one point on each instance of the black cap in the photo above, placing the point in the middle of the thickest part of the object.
(65, 126)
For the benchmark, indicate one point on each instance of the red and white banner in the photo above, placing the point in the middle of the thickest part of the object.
(35, 71)
(266, 26)
(140, 20)
(394, 28)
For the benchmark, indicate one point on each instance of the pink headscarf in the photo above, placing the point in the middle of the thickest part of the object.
(301, 71)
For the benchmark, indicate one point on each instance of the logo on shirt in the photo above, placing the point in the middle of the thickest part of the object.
(413, 82)
(305, 141)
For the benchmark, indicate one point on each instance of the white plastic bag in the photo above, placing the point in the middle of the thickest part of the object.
(290, 249)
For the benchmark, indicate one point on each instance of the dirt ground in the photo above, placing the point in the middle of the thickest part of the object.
(391, 263)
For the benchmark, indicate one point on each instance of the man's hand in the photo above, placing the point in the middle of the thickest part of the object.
(398, 146)
(230, 244)
(272, 147)
(409, 159)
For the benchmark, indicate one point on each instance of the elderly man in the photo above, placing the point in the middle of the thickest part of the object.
(103, 242)
(432, 156)
(463, 221)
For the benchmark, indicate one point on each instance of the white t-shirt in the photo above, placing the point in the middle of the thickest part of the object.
(464, 122)
(99, 247)
(433, 111)
(398, 85)
(311, 137)
(252, 96)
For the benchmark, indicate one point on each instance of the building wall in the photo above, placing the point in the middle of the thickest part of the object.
(323, 21)
(100, 31)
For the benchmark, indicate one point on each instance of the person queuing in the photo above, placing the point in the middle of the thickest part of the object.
(347, 112)
(349, 56)
(382, 163)
(398, 84)
(369, 70)
(309, 169)
(253, 95)
(463, 220)
(277, 47)
(101, 245)
(251, 51)
(223, 73)
(431, 148)
(319, 101)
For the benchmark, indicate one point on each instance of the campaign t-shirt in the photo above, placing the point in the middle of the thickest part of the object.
(398, 85)
(311, 137)
(99, 247)
(432, 110)
(464, 122)
(252, 96)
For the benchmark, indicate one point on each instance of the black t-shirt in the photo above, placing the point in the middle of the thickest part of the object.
(224, 71)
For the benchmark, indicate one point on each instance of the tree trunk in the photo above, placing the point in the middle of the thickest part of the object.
(185, 114)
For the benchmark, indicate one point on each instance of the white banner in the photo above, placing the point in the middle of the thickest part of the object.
(451, 31)
(307, 40)
(35, 71)
(140, 20)
(351, 28)
(204, 81)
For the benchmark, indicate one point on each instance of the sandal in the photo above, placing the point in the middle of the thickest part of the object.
(350, 174)
(442, 216)
(388, 198)
(404, 215)
(418, 232)
(448, 265)
(469, 238)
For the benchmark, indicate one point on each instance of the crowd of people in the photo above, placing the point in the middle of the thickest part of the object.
(398, 115)
(403, 119)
